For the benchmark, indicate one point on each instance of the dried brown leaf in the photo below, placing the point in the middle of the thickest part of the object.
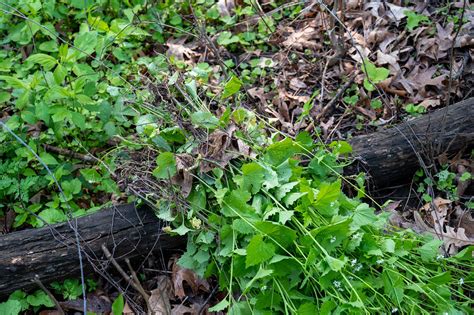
(182, 276)
(180, 50)
(159, 301)
(430, 102)
(296, 84)
(304, 38)
(183, 176)
(185, 310)
(225, 7)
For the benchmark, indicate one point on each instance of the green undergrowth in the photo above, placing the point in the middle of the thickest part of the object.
(281, 236)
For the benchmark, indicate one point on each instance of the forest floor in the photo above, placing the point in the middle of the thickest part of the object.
(160, 103)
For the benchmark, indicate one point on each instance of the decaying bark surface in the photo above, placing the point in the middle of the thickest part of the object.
(392, 156)
(51, 252)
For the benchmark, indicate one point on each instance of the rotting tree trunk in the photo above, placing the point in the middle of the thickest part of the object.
(51, 252)
(392, 156)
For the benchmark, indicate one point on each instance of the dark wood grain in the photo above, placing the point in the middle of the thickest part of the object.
(390, 156)
(51, 252)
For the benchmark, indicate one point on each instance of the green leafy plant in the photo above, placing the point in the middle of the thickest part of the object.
(289, 234)
(118, 305)
(70, 289)
(374, 75)
(415, 110)
(19, 302)
(414, 19)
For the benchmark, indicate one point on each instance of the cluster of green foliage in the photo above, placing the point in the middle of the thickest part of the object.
(290, 241)
(73, 74)
(19, 301)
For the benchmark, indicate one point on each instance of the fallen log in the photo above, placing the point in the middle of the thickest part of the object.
(51, 252)
(392, 156)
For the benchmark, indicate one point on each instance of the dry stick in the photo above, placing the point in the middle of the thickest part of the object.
(130, 279)
(51, 296)
(333, 101)
(67, 152)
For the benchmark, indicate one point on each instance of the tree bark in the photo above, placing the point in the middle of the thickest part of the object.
(392, 156)
(51, 252)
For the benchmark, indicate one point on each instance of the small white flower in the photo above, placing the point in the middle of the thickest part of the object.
(439, 257)
(333, 239)
(353, 262)
(394, 310)
(380, 261)
(336, 283)
(264, 288)
(358, 267)
(461, 281)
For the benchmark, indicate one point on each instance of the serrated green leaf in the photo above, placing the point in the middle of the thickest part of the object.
(222, 305)
(430, 250)
(326, 199)
(280, 234)
(166, 166)
(85, 43)
(182, 230)
(258, 251)
(279, 152)
(39, 298)
(363, 215)
(414, 19)
(334, 263)
(284, 189)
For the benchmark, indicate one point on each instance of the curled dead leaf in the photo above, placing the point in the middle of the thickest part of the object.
(182, 277)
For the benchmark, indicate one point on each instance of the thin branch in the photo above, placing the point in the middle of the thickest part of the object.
(51, 296)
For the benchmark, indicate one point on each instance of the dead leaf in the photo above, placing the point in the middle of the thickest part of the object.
(391, 59)
(95, 304)
(182, 277)
(185, 310)
(452, 238)
(465, 220)
(183, 176)
(159, 301)
(429, 102)
(178, 49)
(225, 7)
(304, 38)
(296, 84)
(216, 149)
(127, 310)
(366, 112)
(396, 12)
